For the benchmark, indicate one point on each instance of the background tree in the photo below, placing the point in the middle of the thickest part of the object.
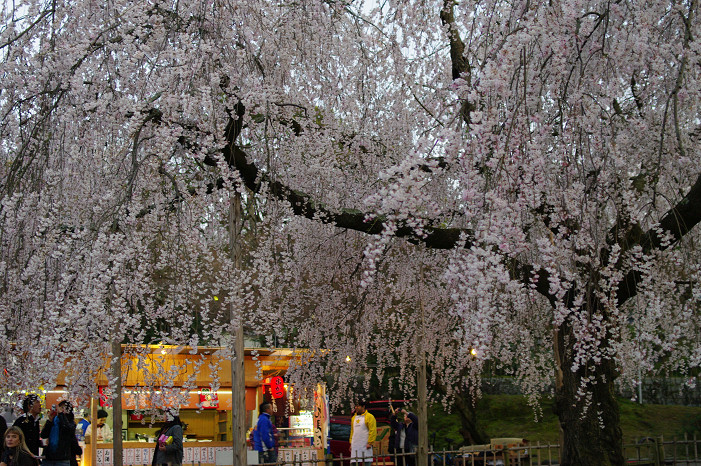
(524, 174)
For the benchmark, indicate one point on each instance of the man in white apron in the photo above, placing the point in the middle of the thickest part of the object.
(363, 434)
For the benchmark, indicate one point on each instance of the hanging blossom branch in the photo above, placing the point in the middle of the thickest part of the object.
(677, 222)
(304, 205)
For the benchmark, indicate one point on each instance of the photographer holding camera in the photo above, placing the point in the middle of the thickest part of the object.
(59, 430)
(406, 426)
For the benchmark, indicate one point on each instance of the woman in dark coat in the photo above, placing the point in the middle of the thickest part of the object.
(169, 452)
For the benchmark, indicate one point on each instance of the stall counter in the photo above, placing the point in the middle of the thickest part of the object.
(141, 453)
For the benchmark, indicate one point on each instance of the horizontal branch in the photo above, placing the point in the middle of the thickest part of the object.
(678, 221)
(304, 205)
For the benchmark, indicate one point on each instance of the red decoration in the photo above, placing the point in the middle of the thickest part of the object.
(277, 387)
(104, 400)
(208, 399)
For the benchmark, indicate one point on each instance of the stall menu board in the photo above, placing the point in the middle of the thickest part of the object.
(143, 456)
(301, 426)
(307, 456)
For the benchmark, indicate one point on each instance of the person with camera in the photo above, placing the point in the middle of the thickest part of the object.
(406, 426)
(59, 432)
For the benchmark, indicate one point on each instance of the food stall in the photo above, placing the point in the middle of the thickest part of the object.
(205, 412)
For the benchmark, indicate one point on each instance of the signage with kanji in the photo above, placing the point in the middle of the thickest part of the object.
(277, 387)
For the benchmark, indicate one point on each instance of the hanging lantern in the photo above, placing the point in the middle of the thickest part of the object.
(277, 387)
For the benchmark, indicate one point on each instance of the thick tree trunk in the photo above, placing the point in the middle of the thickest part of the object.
(466, 407)
(590, 433)
(470, 429)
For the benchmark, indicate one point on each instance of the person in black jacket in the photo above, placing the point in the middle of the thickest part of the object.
(76, 451)
(406, 439)
(3, 429)
(59, 430)
(29, 422)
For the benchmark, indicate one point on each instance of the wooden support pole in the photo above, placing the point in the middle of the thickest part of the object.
(93, 432)
(422, 413)
(238, 401)
(116, 364)
(238, 380)
(422, 408)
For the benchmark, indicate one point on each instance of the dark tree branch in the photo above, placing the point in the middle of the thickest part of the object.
(304, 205)
(460, 66)
(677, 222)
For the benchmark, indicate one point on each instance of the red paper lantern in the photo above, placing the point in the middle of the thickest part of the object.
(277, 387)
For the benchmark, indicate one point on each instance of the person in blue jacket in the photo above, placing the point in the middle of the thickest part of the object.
(59, 431)
(263, 435)
(82, 428)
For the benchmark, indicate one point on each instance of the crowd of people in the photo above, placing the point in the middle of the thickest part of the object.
(58, 441)
(56, 438)
(405, 435)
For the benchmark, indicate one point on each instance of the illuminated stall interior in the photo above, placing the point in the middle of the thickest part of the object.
(206, 413)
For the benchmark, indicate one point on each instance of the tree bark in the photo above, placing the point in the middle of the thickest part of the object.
(238, 380)
(590, 432)
(470, 428)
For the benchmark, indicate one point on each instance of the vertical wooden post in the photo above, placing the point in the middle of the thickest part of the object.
(116, 364)
(422, 413)
(238, 380)
(93, 432)
(238, 399)
(422, 409)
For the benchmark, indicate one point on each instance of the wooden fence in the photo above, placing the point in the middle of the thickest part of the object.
(644, 452)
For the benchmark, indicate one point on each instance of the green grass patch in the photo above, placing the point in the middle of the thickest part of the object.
(511, 416)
